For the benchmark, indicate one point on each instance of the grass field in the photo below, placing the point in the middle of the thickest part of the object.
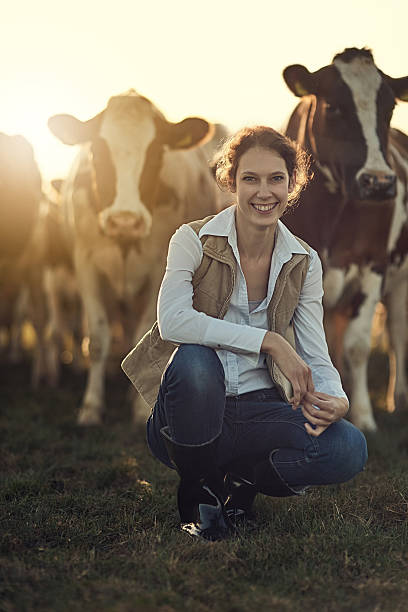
(88, 521)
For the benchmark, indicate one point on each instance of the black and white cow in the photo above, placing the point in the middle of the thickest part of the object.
(136, 179)
(355, 210)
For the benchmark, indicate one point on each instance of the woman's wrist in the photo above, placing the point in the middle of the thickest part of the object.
(269, 343)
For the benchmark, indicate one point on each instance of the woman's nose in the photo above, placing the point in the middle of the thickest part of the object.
(264, 190)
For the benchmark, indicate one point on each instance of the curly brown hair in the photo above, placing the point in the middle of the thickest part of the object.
(296, 159)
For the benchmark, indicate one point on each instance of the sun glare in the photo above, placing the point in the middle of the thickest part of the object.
(28, 116)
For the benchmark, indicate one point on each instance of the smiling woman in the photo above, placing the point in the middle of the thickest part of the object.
(216, 365)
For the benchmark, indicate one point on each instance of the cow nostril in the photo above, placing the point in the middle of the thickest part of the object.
(366, 180)
(376, 185)
(137, 223)
(123, 224)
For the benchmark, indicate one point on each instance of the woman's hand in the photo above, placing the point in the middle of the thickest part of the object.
(291, 365)
(321, 410)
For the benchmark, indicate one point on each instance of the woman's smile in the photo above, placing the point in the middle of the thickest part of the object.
(264, 208)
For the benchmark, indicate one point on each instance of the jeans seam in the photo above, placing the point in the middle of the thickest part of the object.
(311, 438)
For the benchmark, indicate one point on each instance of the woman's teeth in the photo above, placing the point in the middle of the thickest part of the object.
(264, 207)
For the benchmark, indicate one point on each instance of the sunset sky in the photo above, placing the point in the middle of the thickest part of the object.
(219, 59)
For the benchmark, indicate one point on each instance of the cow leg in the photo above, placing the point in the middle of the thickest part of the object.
(39, 320)
(99, 342)
(396, 303)
(357, 351)
(19, 314)
(54, 328)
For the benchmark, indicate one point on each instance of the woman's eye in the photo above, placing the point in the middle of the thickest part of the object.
(248, 179)
(278, 178)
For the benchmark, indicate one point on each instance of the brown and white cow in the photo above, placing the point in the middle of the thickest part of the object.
(137, 178)
(355, 210)
(22, 246)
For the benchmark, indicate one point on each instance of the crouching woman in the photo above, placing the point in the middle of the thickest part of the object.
(215, 366)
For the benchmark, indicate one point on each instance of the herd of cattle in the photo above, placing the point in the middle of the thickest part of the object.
(137, 177)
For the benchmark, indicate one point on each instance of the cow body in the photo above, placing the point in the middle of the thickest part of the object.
(136, 179)
(22, 247)
(355, 210)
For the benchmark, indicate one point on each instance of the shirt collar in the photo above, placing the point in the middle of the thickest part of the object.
(223, 224)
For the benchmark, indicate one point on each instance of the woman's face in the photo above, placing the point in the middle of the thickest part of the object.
(262, 187)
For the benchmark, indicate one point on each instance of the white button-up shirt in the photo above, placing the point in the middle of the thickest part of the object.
(237, 338)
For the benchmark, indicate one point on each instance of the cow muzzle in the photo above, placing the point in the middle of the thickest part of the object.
(376, 186)
(124, 225)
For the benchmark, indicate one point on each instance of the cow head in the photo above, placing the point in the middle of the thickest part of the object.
(351, 106)
(127, 143)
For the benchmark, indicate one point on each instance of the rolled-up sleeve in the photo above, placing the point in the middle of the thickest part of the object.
(309, 333)
(179, 322)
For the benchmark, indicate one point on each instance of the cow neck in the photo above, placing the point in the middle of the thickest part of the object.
(310, 142)
(102, 175)
(149, 183)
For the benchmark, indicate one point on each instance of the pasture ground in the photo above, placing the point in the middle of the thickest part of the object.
(88, 521)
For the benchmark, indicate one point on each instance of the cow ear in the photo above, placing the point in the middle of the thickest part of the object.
(400, 87)
(72, 131)
(188, 133)
(299, 80)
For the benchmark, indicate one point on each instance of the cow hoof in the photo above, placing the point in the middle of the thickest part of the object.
(88, 417)
(366, 424)
(369, 426)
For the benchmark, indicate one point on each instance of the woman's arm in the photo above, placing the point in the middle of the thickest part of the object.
(310, 338)
(327, 403)
(177, 319)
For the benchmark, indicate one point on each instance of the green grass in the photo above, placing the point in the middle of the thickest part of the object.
(88, 522)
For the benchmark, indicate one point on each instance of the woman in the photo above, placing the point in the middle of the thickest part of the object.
(233, 284)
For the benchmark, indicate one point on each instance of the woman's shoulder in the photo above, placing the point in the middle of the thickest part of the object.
(199, 223)
(218, 224)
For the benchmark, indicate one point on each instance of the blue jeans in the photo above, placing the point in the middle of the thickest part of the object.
(192, 404)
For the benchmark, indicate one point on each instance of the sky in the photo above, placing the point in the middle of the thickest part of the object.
(219, 59)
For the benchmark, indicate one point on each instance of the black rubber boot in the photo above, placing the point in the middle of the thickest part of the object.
(240, 486)
(246, 478)
(201, 493)
(268, 481)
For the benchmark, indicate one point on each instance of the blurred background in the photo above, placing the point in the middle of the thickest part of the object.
(220, 60)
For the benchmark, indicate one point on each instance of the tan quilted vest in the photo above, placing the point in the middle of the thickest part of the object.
(213, 283)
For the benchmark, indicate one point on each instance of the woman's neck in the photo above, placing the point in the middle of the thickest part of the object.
(255, 243)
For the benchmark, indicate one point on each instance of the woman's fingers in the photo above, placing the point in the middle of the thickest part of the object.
(302, 383)
(328, 407)
(315, 417)
(295, 399)
(317, 431)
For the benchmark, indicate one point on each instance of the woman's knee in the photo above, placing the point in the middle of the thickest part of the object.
(197, 368)
(345, 453)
